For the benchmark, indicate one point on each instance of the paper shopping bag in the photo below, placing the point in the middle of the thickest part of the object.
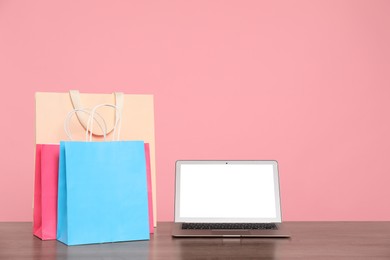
(149, 181)
(45, 191)
(137, 120)
(102, 192)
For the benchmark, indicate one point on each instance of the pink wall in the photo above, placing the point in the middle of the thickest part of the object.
(304, 82)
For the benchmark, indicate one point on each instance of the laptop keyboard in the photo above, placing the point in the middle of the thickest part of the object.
(229, 226)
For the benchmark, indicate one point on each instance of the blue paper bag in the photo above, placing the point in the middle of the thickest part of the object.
(102, 192)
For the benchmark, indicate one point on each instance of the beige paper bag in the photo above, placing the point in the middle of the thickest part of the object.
(137, 121)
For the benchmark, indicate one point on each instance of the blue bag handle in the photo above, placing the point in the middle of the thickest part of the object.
(85, 111)
(118, 120)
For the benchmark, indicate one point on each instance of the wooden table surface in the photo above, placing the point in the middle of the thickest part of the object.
(310, 240)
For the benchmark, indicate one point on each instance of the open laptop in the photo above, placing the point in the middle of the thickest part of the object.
(227, 199)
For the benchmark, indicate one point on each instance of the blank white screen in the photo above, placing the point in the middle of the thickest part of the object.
(227, 191)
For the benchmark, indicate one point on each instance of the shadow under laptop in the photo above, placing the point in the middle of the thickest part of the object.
(229, 248)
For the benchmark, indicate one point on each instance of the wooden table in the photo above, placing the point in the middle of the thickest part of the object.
(310, 240)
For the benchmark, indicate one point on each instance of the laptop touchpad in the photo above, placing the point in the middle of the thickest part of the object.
(230, 232)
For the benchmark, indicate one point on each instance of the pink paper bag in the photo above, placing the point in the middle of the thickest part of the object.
(45, 191)
(150, 191)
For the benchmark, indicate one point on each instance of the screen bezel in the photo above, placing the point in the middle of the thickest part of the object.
(274, 163)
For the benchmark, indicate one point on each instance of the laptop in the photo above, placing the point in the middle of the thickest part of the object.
(227, 199)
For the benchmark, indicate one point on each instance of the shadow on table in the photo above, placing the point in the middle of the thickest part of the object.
(54, 250)
(210, 248)
(225, 248)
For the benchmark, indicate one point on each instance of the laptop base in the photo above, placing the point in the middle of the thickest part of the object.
(177, 231)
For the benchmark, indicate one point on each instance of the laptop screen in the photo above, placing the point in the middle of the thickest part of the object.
(227, 191)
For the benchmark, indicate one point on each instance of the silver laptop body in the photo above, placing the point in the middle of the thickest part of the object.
(227, 192)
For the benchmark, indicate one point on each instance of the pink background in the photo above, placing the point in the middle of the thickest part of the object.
(304, 82)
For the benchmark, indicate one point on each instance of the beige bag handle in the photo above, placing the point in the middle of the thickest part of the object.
(83, 118)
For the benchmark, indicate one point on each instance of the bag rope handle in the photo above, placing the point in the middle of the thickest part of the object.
(117, 127)
(83, 119)
(84, 111)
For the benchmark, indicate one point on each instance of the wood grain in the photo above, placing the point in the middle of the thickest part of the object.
(310, 240)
